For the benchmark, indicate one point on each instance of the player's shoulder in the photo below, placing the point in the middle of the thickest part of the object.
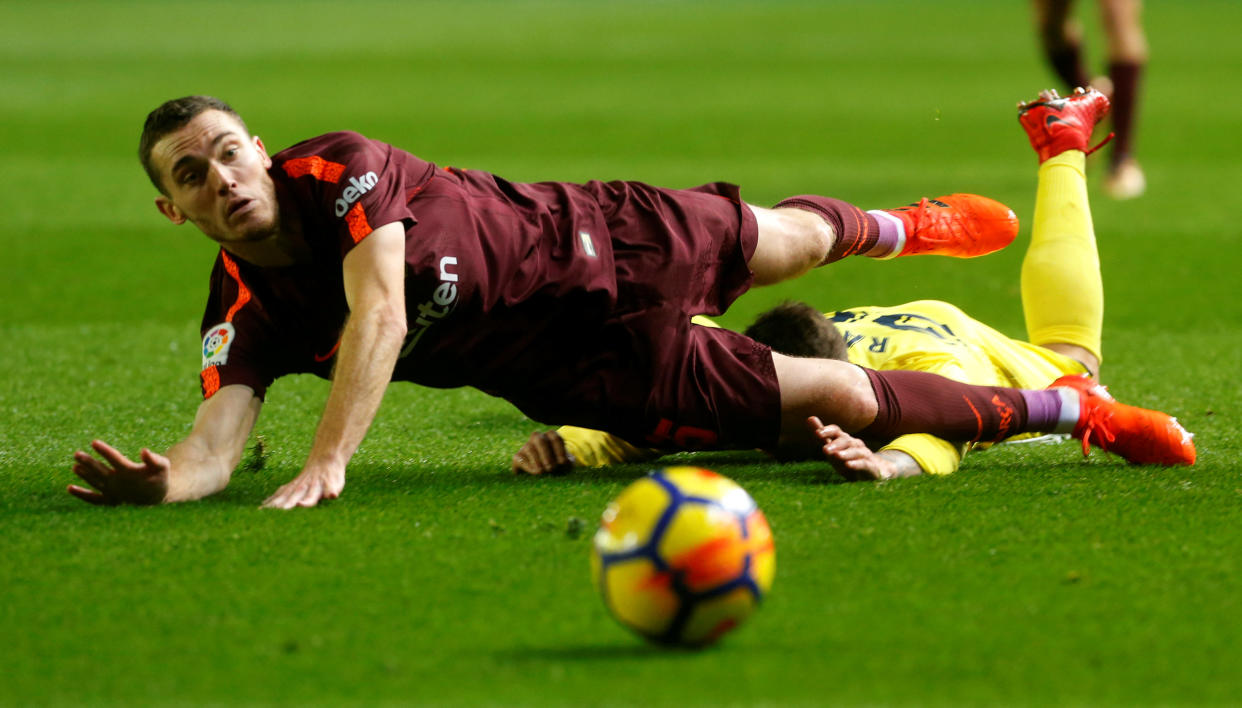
(931, 308)
(885, 315)
(338, 143)
(332, 157)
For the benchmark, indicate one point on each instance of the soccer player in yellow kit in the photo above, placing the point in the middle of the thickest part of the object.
(1062, 297)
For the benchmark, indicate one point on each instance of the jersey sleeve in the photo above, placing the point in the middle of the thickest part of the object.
(355, 184)
(594, 448)
(237, 336)
(933, 455)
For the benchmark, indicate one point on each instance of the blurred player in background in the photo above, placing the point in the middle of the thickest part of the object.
(1062, 39)
(1063, 303)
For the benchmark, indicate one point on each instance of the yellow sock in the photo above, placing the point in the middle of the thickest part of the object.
(1062, 291)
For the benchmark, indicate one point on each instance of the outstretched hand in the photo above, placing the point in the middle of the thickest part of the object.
(849, 456)
(543, 453)
(118, 480)
(308, 488)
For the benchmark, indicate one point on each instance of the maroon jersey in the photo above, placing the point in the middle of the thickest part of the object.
(512, 288)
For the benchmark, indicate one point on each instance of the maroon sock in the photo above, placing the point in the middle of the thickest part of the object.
(856, 230)
(1067, 63)
(1125, 76)
(919, 402)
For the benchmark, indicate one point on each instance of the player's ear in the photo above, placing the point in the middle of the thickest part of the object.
(258, 144)
(169, 210)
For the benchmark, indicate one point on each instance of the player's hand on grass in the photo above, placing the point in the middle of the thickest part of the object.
(543, 453)
(118, 480)
(849, 456)
(307, 489)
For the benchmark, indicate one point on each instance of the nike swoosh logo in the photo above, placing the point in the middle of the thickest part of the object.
(1053, 119)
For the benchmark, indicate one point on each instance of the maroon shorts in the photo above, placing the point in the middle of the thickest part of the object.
(647, 374)
(688, 248)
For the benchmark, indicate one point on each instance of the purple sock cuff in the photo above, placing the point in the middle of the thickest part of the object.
(1043, 410)
(892, 238)
(856, 231)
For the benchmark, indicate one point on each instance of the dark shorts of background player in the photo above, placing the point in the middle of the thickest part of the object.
(646, 373)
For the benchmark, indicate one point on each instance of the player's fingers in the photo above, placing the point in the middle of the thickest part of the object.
(300, 489)
(841, 441)
(539, 452)
(89, 465)
(330, 487)
(154, 460)
(114, 456)
(863, 468)
(88, 460)
(97, 475)
(559, 455)
(311, 494)
(522, 462)
(278, 499)
(90, 496)
(828, 432)
(333, 487)
(295, 494)
(552, 453)
(847, 452)
(529, 457)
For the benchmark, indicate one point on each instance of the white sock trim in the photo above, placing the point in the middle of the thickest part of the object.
(895, 224)
(1070, 411)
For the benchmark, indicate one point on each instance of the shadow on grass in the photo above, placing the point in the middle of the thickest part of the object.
(597, 652)
(252, 484)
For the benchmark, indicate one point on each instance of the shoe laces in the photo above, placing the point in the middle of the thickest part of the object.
(1097, 421)
(1108, 138)
(922, 213)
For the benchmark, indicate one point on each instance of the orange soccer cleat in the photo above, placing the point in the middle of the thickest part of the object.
(1056, 124)
(1141, 436)
(959, 225)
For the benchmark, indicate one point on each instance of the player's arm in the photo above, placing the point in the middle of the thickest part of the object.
(374, 275)
(196, 467)
(930, 454)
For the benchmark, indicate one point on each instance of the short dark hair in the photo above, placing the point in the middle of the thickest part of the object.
(797, 329)
(169, 117)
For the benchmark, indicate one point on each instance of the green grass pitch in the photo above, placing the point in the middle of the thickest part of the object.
(1031, 577)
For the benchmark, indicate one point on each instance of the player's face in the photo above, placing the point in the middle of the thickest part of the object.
(216, 177)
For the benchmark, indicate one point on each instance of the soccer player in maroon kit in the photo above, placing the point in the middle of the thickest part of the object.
(353, 260)
(1064, 47)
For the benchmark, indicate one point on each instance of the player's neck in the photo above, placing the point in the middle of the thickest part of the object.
(284, 247)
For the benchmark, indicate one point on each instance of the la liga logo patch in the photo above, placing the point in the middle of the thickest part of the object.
(216, 344)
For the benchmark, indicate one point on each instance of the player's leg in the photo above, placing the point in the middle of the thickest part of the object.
(1127, 56)
(1062, 290)
(803, 232)
(882, 405)
(791, 242)
(1061, 39)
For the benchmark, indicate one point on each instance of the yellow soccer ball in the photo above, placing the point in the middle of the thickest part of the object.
(682, 556)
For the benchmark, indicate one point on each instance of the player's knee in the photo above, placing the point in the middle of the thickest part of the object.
(791, 242)
(835, 391)
(808, 237)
